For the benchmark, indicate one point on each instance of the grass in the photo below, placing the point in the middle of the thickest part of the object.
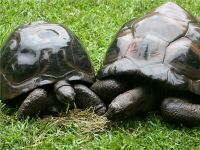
(95, 22)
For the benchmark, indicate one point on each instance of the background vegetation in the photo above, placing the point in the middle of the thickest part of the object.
(95, 22)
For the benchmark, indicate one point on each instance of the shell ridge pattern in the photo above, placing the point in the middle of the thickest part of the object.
(179, 37)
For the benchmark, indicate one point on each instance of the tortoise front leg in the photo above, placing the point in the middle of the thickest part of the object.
(108, 89)
(33, 104)
(86, 98)
(180, 110)
(131, 103)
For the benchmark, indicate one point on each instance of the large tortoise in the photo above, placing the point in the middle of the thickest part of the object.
(45, 64)
(154, 61)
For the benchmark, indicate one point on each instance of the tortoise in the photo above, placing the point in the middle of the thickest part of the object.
(154, 63)
(45, 68)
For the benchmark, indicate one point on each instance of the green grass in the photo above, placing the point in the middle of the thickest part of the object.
(95, 22)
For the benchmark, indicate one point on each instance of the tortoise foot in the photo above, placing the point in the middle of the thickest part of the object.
(33, 104)
(180, 111)
(86, 98)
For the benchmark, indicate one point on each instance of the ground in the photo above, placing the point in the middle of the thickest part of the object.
(95, 22)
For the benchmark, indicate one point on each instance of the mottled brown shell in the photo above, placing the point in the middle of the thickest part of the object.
(164, 45)
(41, 53)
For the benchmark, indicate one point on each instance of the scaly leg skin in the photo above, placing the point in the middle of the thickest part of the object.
(33, 104)
(131, 103)
(108, 89)
(181, 111)
(86, 98)
(64, 92)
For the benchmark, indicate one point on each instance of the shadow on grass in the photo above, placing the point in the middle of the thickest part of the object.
(152, 120)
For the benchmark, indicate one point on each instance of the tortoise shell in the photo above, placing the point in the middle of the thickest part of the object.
(164, 45)
(41, 53)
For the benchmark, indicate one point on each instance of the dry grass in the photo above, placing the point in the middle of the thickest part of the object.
(85, 120)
